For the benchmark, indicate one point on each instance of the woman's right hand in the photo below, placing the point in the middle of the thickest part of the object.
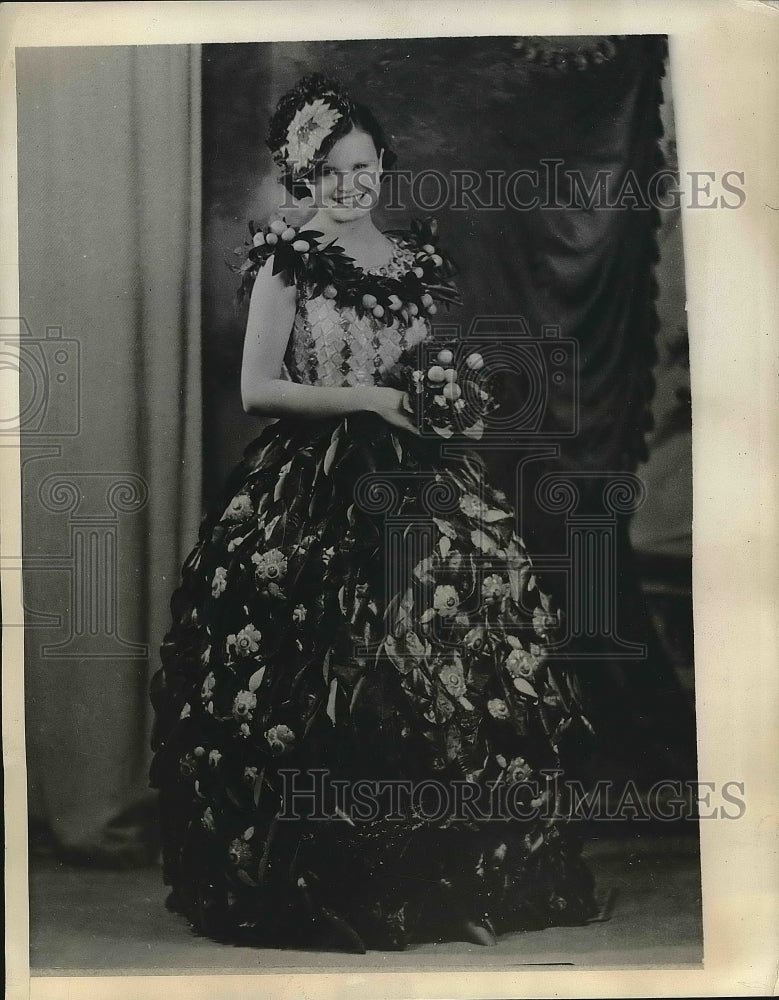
(394, 406)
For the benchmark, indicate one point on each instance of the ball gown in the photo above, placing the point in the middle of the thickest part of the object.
(358, 615)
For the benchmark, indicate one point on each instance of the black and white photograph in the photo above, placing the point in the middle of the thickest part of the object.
(356, 435)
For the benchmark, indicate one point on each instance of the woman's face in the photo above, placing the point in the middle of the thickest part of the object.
(347, 183)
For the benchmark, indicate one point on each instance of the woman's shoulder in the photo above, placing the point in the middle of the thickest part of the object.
(285, 248)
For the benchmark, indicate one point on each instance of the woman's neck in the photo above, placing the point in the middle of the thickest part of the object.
(360, 238)
(360, 230)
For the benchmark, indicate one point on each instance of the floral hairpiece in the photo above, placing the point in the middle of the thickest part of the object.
(305, 118)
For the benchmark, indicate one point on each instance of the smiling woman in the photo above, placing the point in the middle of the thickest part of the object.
(309, 635)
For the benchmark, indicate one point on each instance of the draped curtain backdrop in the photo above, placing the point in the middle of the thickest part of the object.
(109, 222)
(495, 106)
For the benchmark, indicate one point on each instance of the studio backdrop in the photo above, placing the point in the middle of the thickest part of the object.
(131, 405)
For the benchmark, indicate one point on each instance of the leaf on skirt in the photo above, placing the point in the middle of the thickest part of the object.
(402, 663)
(396, 445)
(444, 432)
(496, 515)
(444, 546)
(256, 679)
(524, 688)
(476, 430)
(428, 616)
(331, 699)
(331, 451)
(246, 878)
(283, 472)
(233, 797)
(271, 525)
(444, 526)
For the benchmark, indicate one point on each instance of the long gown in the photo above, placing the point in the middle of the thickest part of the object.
(361, 609)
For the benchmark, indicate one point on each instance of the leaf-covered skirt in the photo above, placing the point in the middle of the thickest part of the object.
(356, 719)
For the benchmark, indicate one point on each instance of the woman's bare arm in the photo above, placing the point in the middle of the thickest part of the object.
(264, 393)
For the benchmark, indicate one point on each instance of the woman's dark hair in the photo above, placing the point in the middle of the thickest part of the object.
(353, 116)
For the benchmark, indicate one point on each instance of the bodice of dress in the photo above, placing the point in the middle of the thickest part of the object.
(332, 345)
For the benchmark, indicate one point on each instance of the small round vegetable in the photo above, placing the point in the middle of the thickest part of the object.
(436, 374)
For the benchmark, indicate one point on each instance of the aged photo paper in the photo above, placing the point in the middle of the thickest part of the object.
(526, 353)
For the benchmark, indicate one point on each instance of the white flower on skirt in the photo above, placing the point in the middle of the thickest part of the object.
(452, 679)
(219, 582)
(247, 642)
(245, 702)
(498, 708)
(493, 588)
(209, 683)
(520, 663)
(280, 738)
(239, 509)
(271, 565)
(446, 600)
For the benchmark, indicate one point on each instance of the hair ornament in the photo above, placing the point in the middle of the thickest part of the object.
(305, 119)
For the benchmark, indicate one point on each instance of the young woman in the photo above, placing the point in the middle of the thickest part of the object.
(357, 727)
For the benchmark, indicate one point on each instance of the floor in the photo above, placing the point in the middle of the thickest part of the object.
(88, 921)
